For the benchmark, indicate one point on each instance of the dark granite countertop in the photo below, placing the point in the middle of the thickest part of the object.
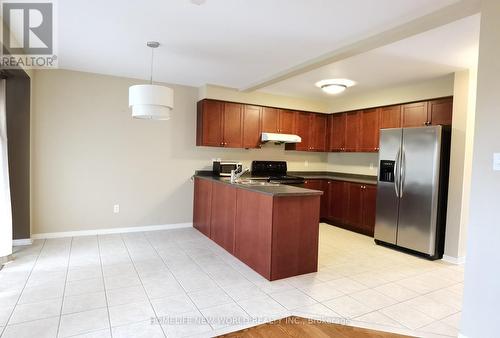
(268, 189)
(327, 175)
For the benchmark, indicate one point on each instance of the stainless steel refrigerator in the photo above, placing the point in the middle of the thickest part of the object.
(412, 189)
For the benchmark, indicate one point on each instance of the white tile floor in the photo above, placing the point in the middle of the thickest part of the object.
(178, 283)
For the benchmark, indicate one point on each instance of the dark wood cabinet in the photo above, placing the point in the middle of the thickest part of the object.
(232, 125)
(369, 209)
(440, 111)
(251, 126)
(338, 199)
(209, 123)
(336, 132)
(280, 121)
(369, 130)
(202, 205)
(352, 131)
(318, 132)
(270, 120)
(237, 125)
(390, 117)
(287, 121)
(223, 215)
(415, 114)
(303, 129)
(322, 185)
(353, 214)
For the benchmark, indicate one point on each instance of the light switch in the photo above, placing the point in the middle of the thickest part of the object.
(496, 161)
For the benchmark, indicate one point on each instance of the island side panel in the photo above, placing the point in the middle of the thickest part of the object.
(295, 236)
(202, 205)
(253, 230)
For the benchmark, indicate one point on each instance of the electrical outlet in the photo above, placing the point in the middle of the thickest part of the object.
(371, 165)
(116, 208)
(306, 163)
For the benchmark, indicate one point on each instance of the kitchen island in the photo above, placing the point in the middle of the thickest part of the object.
(272, 228)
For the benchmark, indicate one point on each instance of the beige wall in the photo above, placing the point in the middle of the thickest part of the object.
(482, 276)
(355, 163)
(89, 154)
(261, 98)
(460, 164)
(439, 87)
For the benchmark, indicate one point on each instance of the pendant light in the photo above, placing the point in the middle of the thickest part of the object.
(149, 101)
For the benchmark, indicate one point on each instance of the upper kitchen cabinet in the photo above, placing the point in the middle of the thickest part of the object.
(440, 111)
(369, 121)
(303, 129)
(352, 131)
(390, 117)
(336, 132)
(251, 126)
(209, 123)
(280, 121)
(318, 132)
(415, 114)
(232, 125)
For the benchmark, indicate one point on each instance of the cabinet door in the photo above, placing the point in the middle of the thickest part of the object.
(325, 198)
(369, 208)
(415, 114)
(336, 132)
(209, 124)
(270, 120)
(354, 215)
(202, 205)
(338, 201)
(369, 130)
(304, 131)
(352, 134)
(390, 117)
(233, 125)
(251, 126)
(223, 215)
(318, 132)
(287, 123)
(441, 111)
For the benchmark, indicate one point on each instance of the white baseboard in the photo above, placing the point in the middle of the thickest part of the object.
(454, 260)
(24, 241)
(110, 231)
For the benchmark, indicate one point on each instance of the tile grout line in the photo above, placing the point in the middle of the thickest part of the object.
(177, 280)
(104, 284)
(140, 279)
(64, 289)
(24, 286)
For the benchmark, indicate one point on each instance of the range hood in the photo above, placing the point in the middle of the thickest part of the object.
(280, 138)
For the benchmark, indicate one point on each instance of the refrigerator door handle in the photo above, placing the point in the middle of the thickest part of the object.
(403, 173)
(396, 173)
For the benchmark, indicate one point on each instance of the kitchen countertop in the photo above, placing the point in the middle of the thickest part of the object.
(328, 175)
(271, 189)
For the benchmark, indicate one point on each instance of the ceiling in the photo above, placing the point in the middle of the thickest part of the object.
(424, 56)
(230, 43)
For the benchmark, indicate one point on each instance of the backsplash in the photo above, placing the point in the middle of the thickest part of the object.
(353, 163)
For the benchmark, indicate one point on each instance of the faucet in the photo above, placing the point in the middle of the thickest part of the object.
(236, 174)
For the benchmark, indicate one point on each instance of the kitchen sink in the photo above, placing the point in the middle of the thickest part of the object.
(254, 182)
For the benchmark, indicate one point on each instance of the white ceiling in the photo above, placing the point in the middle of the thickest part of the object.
(225, 42)
(427, 55)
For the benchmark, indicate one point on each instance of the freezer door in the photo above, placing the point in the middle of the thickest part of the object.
(419, 189)
(386, 223)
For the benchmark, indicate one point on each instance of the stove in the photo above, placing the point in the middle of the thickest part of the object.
(274, 172)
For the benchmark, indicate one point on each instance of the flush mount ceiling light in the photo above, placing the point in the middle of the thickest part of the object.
(149, 101)
(334, 86)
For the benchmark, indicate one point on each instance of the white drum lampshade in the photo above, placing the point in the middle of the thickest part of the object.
(151, 102)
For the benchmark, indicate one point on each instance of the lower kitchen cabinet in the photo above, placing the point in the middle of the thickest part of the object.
(202, 205)
(223, 215)
(351, 206)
